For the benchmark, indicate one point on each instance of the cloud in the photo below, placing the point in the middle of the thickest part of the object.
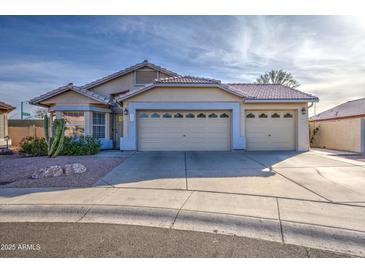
(325, 53)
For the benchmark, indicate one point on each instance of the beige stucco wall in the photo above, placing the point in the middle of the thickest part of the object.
(3, 125)
(4, 128)
(119, 84)
(125, 82)
(184, 94)
(70, 98)
(341, 134)
(180, 94)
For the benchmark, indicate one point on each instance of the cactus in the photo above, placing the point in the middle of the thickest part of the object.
(55, 144)
(46, 128)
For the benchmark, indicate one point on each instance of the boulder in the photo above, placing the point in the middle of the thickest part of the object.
(52, 171)
(75, 168)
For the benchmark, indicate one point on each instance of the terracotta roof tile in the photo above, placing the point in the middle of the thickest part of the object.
(187, 80)
(122, 72)
(91, 94)
(348, 109)
(270, 92)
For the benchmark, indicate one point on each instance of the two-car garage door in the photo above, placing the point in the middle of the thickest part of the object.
(184, 130)
(161, 130)
(270, 130)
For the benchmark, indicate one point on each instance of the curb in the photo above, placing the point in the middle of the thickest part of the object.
(314, 236)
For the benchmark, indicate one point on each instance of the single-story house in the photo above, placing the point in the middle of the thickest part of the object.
(4, 110)
(341, 127)
(149, 108)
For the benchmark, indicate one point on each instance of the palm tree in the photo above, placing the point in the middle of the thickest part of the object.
(278, 77)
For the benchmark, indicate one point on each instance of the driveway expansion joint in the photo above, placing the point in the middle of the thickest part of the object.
(291, 180)
(281, 225)
(178, 212)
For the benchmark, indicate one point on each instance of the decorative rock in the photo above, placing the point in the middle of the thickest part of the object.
(75, 168)
(52, 171)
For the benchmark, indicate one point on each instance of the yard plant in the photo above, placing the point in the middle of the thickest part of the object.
(59, 144)
(55, 144)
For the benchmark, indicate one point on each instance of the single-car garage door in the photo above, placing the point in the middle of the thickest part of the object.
(270, 130)
(184, 130)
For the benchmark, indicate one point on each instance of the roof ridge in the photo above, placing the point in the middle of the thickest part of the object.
(212, 80)
(253, 84)
(336, 108)
(125, 71)
(354, 100)
(95, 95)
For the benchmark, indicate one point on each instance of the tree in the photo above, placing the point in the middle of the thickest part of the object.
(278, 77)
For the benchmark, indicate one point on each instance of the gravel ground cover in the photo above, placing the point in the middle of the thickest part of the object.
(16, 171)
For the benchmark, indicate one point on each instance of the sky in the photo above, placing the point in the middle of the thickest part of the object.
(326, 54)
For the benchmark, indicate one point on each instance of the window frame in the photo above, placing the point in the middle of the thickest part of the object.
(99, 125)
(74, 127)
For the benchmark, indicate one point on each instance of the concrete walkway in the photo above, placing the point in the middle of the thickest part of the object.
(279, 209)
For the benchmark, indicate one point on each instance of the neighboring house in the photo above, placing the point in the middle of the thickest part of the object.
(146, 107)
(341, 127)
(4, 110)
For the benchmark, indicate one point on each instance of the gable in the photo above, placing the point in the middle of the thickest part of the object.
(185, 94)
(128, 81)
(69, 98)
(116, 85)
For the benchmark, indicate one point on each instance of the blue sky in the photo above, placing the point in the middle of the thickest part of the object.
(326, 54)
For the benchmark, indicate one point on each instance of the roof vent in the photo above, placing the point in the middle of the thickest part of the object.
(145, 61)
(70, 84)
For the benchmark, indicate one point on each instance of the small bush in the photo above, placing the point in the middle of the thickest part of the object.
(80, 146)
(33, 146)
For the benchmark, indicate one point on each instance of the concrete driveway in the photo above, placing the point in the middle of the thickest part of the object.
(309, 199)
(307, 176)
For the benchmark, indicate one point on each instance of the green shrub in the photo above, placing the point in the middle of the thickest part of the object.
(34, 146)
(80, 146)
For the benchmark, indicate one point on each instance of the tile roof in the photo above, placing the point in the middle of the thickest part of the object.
(348, 109)
(5, 106)
(91, 94)
(273, 92)
(187, 80)
(145, 63)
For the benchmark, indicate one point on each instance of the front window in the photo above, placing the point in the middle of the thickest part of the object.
(75, 123)
(98, 125)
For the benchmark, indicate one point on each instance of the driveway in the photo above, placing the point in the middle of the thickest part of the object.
(305, 176)
(308, 199)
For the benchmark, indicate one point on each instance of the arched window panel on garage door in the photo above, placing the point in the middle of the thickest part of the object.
(167, 115)
(288, 115)
(155, 115)
(178, 115)
(275, 115)
(190, 115)
(224, 115)
(201, 115)
(213, 115)
(250, 115)
(143, 115)
(263, 115)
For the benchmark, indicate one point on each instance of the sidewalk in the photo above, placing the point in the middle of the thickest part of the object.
(316, 224)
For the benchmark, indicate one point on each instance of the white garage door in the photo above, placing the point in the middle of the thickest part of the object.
(270, 130)
(184, 130)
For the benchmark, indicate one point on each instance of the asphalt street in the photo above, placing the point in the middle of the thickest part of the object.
(110, 240)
